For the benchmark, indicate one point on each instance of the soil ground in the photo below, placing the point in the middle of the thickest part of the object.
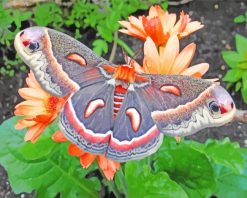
(217, 35)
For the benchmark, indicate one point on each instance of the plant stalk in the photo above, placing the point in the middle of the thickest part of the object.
(114, 47)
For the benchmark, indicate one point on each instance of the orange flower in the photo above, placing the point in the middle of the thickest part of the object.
(168, 60)
(39, 109)
(159, 26)
(108, 167)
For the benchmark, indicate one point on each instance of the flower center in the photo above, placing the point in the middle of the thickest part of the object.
(52, 104)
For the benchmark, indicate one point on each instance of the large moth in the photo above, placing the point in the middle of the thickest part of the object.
(114, 110)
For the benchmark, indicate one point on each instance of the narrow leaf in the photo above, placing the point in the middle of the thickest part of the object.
(232, 58)
(233, 75)
(239, 19)
(241, 43)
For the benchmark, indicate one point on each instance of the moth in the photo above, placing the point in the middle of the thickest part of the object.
(114, 110)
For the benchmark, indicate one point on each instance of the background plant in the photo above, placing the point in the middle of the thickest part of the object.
(237, 61)
(84, 17)
(241, 18)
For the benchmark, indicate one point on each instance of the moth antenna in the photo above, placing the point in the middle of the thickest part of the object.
(128, 59)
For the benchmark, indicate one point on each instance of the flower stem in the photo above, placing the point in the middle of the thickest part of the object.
(111, 185)
(114, 48)
(123, 182)
(113, 188)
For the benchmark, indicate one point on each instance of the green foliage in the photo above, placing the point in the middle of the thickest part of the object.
(186, 169)
(48, 14)
(44, 166)
(237, 61)
(241, 18)
(185, 165)
(102, 16)
(100, 46)
(142, 182)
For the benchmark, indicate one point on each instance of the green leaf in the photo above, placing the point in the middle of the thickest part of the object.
(229, 85)
(100, 46)
(142, 183)
(241, 45)
(52, 171)
(20, 16)
(187, 166)
(238, 86)
(225, 153)
(125, 46)
(47, 13)
(239, 19)
(242, 65)
(105, 32)
(42, 148)
(244, 94)
(233, 75)
(244, 81)
(230, 184)
(232, 58)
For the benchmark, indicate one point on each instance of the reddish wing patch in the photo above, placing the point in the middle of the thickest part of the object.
(77, 58)
(171, 89)
(110, 69)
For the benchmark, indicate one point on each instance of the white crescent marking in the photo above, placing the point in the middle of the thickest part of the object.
(92, 106)
(135, 118)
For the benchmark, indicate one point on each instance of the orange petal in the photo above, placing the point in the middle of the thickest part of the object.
(184, 59)
(190, 28)
(181, 24)
(112, 167)
(109, 174)
(32, 94)
(160, 12)
(17, 112)
(134, 28)
(178, 139)
(133, 33)
(102, 161)
(31, 104)
(137, 67)
(154, 29)
(34, 132)
(21, 124)
(169, 23)
(45, 118)
(30, 111)
(168, 55)
(31, 81)
(75, 150)
(152, 12)
(137, 24)
(196, 70)
(87, 159)
(151, 57)
(58, 136)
